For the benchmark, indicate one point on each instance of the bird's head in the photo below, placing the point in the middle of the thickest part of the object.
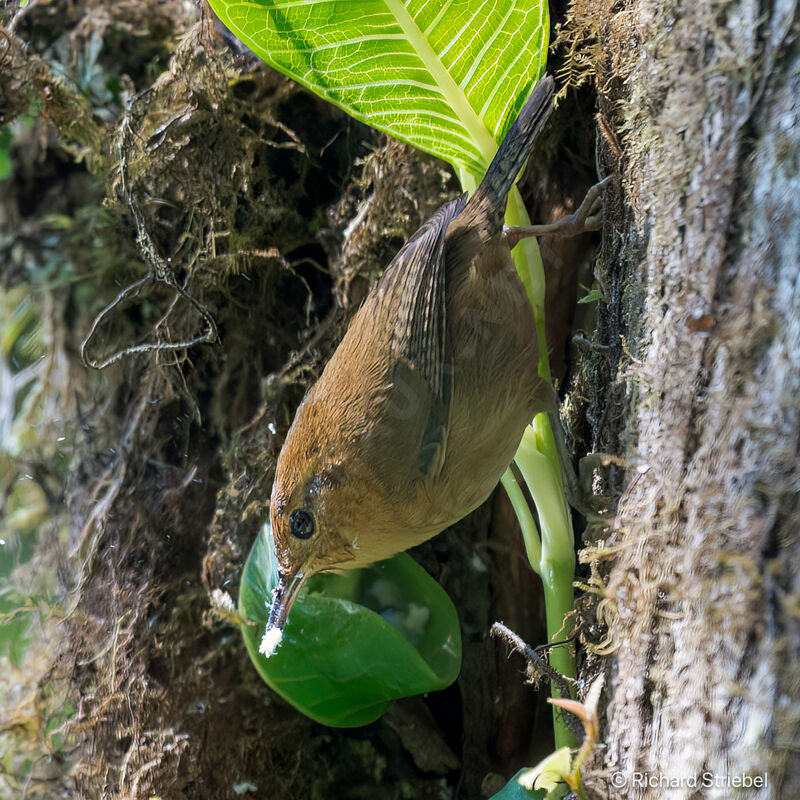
(315, 511)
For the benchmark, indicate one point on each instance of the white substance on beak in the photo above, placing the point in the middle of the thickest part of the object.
(270, 641)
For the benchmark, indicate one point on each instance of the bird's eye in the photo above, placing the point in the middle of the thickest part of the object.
(301, 523)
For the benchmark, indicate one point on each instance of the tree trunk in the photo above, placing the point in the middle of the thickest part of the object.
(701, 117)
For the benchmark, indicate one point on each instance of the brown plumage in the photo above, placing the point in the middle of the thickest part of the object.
(422, 406)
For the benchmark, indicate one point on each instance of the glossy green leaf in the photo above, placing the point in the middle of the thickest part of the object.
(356, 641)
(545, 781)
(448, 77)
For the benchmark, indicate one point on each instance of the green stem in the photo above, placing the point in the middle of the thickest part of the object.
(552, 556)
(528, 262)
(530, 533)
(556, 566)
(538, 461)
(546, 442)
(468, 181)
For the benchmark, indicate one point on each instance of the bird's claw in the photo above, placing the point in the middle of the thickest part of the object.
(589, 216)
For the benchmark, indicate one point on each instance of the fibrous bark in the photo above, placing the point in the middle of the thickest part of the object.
(700, 113)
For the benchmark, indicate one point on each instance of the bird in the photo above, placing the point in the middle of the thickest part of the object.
(422, 405)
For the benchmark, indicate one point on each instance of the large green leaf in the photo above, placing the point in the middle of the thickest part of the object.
(448, 77)
(356, 641)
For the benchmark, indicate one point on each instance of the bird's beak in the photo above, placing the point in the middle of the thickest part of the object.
(283, 597)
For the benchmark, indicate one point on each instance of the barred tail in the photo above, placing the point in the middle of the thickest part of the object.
(489, 201)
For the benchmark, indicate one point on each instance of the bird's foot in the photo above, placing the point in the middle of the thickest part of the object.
(588, 217)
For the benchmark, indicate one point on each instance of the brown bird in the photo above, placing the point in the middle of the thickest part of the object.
(421, 408)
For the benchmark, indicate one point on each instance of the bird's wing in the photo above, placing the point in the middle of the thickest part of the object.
(414, 287)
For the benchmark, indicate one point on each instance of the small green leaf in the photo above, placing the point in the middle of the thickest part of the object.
(543, 782)
(592, 297)
(446, 77)
(354, 642)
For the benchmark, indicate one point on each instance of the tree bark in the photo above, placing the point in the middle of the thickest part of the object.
(700, 116)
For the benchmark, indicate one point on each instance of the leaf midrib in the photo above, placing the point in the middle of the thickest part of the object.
(451, 91)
